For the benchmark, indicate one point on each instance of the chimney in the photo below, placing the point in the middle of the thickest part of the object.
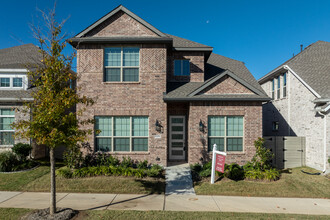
(301, 47)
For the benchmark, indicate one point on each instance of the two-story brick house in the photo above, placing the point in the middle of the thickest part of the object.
(164, 98)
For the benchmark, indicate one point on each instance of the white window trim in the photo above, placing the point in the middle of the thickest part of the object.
(11, 77)
(225, 137)
(7, 116)
(130, 137)
(181, 73)
(121, 67)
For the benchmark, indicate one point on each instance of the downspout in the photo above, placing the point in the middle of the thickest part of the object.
(324, 140)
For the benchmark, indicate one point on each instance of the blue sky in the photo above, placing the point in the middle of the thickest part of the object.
(263, 34)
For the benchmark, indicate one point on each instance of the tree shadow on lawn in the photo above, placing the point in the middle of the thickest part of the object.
(153, 187)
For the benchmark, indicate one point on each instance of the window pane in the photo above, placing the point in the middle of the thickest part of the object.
(105, 125)
(122, 126)
(5, 82)
(186, 67)
(112, 56)
(112, 75)
(17, 82)
(7, 138)
(177, 67)
(235, 126)
(177, 128)
(131, 74)
(103, 144)
(7, 112)
(284, 79)
(131, 56)
(140, 126)
(273, 84)
(177, 136)
(5, 123)
(177, 120)
(140, 144)
(278, 82)
(218, 141)
(216, 126)
(121, 144)
(234, 144)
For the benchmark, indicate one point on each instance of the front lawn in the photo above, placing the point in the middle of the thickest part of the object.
(10, 213)
(293, 183)
(38, 180)
(125, 214)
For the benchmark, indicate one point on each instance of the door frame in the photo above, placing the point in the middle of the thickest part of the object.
(175, 157)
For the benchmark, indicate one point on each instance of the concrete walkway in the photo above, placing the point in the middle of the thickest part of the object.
(178, 180)
(84, 201)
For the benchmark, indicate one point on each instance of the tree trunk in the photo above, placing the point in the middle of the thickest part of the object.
(52, 209)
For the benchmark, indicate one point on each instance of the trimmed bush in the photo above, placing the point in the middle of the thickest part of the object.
(234, 172)
(8, 160)
(22, 150)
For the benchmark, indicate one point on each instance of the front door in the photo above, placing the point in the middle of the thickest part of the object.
(177, 138)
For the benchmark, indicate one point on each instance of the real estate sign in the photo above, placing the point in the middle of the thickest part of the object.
(218, 162)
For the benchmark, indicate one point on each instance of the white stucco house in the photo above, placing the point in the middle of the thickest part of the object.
(300, 105)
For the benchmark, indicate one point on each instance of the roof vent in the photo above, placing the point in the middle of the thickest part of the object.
(301, 47)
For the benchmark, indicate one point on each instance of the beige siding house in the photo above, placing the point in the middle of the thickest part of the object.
(300, 91)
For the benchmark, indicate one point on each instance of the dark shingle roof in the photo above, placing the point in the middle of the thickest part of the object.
(15, 94)
(20, 56)
(179, 42)
(189, 91)
(312, 65)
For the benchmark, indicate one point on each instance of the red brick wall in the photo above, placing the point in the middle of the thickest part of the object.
(252, 112)
(130, 99)
(196, 66)
(227, 85)
(121, 24)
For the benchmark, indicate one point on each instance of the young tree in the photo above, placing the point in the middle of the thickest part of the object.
(54, 121)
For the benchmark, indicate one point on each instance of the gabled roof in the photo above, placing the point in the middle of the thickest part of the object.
(218, 68)
(181, 44)
(114, 11)
(312, 65)
(20, 56)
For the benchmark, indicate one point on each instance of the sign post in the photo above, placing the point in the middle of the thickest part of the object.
(218, 162)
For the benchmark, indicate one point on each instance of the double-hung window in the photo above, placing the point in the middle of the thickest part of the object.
(273, 89)
(181, 67)
(284, 85)
(121, 133)
(278, 87)
(7, 117)
(121, 64)
(226, 132)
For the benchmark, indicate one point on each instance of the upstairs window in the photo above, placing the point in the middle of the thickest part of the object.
(11, 82)
(278, 87)
(181, 67)
(273, 89)
(121, 64)
(284, 85)
(275, 126)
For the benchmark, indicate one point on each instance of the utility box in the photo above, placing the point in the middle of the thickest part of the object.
(288, 151)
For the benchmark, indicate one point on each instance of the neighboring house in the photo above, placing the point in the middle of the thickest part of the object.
(300, 91)
(14, 84)
(164, 98)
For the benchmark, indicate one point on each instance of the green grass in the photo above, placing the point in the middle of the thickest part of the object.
(293, 183)
(38, 180)
(10, 213)
(158, 215)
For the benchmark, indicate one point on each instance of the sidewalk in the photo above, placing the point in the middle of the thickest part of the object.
(84, 201)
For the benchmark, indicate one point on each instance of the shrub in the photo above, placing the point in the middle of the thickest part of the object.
(205, 173)
(22, 150)
(73, 157)
(126, 162)
(262, 159)
(154, 171)
(196, 167)
(65, 172)
(8, 161)
(142, 164)
(272, 174)
(234, 171)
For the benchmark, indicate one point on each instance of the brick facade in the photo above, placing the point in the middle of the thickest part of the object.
(145, 98)
(227, 85)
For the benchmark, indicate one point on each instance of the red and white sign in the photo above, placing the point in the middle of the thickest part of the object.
(220, 163)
